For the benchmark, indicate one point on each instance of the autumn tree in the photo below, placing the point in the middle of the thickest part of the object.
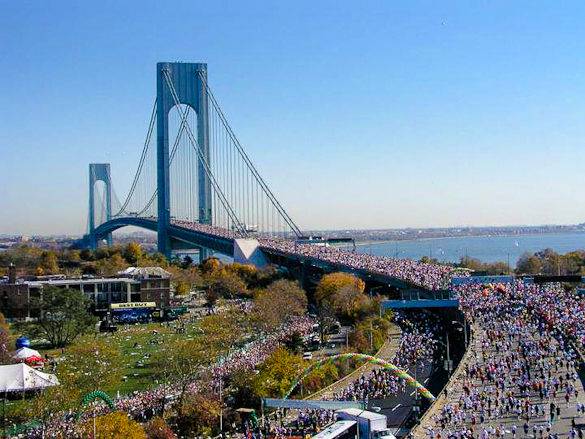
(351, 304)
(227, 284)
(49, 263)
(181, 363)
(199, 414)
(64, 314)
(528, 264)
(277, 374)
(331, 283)
(113, 426)
(132, 252)
(281, 300)
(112, 265)
(157, 428)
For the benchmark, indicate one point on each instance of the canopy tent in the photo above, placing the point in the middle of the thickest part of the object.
(20, 377)
(24, 353)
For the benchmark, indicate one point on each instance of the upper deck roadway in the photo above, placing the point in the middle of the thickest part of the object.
(400, 273)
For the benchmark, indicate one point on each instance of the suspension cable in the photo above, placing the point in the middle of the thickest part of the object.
(202, 157)
(243, 154)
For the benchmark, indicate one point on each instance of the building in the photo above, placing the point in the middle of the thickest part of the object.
(144, 284)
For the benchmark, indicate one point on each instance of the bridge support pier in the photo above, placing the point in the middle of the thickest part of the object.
(99, 172)
(190, 89)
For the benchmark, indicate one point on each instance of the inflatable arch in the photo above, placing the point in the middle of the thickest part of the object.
(91, 396)
(422, 390)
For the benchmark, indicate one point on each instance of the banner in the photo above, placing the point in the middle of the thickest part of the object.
(481, 280)
(306, 404)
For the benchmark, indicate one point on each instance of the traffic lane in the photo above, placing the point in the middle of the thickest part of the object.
(398, 407)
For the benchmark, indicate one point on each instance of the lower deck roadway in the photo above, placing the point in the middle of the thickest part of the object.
(481, 352)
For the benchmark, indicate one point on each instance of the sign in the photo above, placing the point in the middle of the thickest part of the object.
(311, 404)
(130, 305)
(481, 280)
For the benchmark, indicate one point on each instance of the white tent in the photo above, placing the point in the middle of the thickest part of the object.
(19, 377)
(24, 353)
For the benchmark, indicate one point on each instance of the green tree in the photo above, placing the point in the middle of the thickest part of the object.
(64, 314)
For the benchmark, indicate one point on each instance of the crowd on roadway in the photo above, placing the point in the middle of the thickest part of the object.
(430, 276)
(418, 343)
(520, 377)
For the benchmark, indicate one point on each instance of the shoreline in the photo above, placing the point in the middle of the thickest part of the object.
(436, 238)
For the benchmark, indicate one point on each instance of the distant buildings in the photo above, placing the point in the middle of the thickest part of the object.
(143, 284)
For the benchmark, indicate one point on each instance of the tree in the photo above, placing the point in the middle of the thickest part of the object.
(132, 252)
(350, 304)
(5, 357)
(112, 426)
(157, 428)
(49, 262)
(199, 415)
(181, 363)
(277, 374)
(64, 314)
(528, 264)
(331, 283)
(210, 265)
(227, 284)
(111, 265)
(281, 300)
(93, 365)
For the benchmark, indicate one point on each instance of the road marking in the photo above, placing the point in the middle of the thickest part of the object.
(396, 407)
(425, 381)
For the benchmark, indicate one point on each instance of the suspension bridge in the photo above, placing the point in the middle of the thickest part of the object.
(197, 188)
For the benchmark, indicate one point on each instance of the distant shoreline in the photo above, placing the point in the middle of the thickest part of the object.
(435, 238)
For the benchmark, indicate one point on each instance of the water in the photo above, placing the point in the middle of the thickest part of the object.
(484, 248)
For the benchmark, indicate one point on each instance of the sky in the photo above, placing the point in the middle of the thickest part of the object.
(370, 114)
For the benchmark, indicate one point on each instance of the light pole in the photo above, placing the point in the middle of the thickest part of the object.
(464, 326)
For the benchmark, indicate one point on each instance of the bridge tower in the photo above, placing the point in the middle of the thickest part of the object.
(188, 81)
(99, 172)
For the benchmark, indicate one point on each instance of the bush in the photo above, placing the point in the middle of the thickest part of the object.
(157, 428)
(114, 425)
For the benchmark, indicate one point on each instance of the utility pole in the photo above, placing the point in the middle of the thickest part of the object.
(449, 367)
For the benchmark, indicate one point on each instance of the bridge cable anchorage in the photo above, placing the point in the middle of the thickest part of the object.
(141, 162)
(247, 160)
(196, 147)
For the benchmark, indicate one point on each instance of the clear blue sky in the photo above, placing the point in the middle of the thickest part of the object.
(359, 114)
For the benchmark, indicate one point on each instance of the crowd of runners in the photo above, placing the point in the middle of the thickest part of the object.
(520, 379)
(430, 276)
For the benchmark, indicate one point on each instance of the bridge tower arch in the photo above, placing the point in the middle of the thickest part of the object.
(99, 172)
(188, 81)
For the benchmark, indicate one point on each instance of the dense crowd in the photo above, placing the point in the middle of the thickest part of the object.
(143, 405)
(418, 343)
(520, 379)
(430, 276)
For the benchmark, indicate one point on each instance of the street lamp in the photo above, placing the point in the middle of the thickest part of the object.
(449, 365)
(464, 326)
